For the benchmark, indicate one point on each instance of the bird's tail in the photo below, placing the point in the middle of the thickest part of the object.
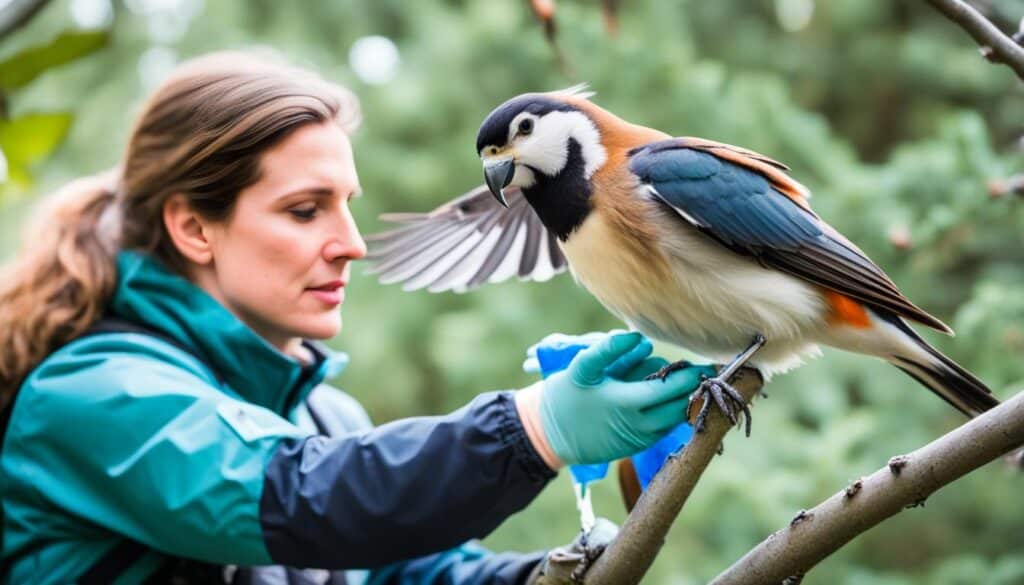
(951, 381)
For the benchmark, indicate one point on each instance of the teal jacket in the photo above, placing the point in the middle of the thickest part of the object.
(216, 458)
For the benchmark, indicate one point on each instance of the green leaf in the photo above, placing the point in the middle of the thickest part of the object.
(17, 183)
(24, 66)
(30, 138)
(27, 140)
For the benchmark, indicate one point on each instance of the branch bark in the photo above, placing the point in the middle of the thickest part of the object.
(642, 535)
(1001, 48)
(904, 483)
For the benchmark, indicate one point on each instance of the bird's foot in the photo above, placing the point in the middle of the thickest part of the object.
(725, 397)
(570, 563)
(665, 371)
(591, 551)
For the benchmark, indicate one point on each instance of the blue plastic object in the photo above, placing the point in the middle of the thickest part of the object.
(649, 462)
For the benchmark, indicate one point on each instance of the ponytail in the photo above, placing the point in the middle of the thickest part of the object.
(61, 280)
(202, 135)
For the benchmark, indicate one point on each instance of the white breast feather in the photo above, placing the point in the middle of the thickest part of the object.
(712, 301)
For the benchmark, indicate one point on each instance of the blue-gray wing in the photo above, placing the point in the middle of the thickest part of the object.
(747, 203)
(465, 243)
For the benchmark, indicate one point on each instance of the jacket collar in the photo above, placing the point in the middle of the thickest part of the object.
(147, 292)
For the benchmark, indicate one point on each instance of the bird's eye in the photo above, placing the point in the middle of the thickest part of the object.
(492, 150)
(525, 126)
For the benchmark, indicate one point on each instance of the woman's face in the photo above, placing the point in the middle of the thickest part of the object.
(282, 259)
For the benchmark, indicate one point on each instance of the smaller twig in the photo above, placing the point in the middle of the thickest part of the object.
(1017, 37)
(610, 14)
(17, 13)
(544, 10)
(995, 46)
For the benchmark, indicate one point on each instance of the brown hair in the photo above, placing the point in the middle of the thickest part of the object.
(201, 135)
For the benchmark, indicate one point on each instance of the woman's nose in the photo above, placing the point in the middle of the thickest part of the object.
(346, 243)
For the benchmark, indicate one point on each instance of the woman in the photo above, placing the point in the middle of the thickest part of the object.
(165, 413)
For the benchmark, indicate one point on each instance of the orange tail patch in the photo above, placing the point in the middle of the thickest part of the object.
(846, 311)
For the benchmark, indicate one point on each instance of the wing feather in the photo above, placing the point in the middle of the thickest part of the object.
(745, 201)
(465, 243)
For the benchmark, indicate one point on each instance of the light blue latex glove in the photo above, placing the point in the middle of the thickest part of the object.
(553, 354)
(600, 408)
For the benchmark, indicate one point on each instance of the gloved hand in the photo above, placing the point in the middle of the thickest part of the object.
(600, 408)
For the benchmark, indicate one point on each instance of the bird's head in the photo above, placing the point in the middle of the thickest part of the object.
(529, 139)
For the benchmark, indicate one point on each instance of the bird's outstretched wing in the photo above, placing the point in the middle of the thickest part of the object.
(465, 243)
(748, 203)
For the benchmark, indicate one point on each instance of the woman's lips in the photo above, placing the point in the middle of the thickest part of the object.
(332, 295)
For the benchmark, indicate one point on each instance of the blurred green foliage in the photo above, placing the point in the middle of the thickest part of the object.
(29, 138)
(884, 109)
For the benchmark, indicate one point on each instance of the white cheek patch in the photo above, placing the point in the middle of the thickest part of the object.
(547, 148)
(523, 178)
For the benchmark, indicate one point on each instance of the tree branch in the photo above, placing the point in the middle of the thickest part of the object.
(996, 46)
(631, 554)
(544, 10)
(904, 483)
(18, 13)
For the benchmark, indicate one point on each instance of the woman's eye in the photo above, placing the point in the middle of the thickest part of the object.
(526, 126)
(303, 212)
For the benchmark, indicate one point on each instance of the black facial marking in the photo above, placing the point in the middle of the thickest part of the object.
(494, 130)
(562, 202)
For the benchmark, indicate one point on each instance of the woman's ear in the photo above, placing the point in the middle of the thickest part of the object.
(189, 232)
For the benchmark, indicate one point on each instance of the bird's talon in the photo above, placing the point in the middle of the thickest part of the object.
(729, 402)
(590, 554)
(665, 371)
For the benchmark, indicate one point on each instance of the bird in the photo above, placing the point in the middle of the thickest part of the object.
(698, 243)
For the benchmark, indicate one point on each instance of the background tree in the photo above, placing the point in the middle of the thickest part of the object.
(884, 109)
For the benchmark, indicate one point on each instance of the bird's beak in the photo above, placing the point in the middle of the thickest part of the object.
(498, 173)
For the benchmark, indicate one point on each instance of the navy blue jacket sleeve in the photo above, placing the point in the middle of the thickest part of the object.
(469, 564)
(406, 489)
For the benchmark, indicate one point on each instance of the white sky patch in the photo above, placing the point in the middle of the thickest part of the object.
(374, 59)
(3, 166)
(155, 64)
(794, 15)
(91, 13)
